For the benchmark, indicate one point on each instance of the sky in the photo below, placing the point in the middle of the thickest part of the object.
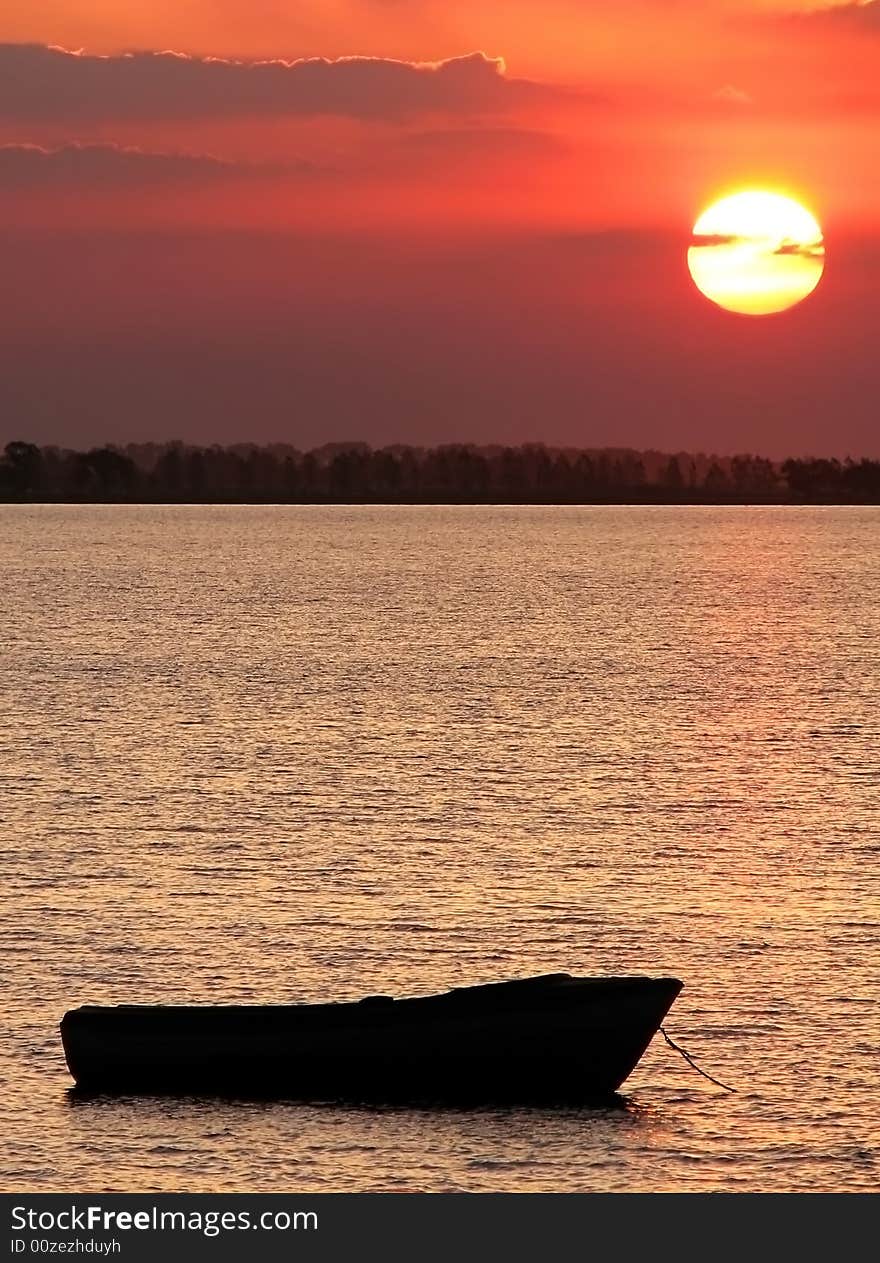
(428, 221)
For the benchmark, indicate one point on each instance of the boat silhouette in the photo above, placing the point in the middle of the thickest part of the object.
(554, 1037)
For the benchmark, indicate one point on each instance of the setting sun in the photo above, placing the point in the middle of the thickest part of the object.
(756, 253)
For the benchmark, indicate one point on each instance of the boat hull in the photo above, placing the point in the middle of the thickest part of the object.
(539, 1039)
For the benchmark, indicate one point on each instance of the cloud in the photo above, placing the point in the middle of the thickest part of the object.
(39, 83)
(108, 166)
(729, 95)
(803, 250)
(700, 239)
(114, 165)
(859, 18)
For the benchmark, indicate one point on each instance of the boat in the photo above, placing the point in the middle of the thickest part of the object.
(554, 1037)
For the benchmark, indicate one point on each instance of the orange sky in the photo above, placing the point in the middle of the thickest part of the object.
(444, 120)
(639, 108)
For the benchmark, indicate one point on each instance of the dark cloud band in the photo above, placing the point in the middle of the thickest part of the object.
(28, 166)
(39, 84)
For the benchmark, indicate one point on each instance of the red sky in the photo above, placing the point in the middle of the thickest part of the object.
(415, 221)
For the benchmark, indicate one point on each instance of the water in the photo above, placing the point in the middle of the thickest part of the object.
(275, 754)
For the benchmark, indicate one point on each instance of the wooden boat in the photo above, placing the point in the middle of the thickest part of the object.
(553, 1037)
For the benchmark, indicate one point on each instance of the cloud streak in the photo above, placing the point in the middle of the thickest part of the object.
(731, 95)
(40, 84)
(858, 18)
(710, 239)
(107, 165)
(801, 249)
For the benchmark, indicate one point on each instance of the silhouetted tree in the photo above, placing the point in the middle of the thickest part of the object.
(716, 483)
(22, 468)
(672, 478)
(861, 480)
(814, 479)
(105, 474)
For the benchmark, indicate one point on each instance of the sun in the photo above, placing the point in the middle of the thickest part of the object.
(756, 253)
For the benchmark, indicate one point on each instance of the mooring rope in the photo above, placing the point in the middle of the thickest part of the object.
(689, 1059)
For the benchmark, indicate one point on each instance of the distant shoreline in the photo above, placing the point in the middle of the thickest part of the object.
(453, 474)
(449, 504)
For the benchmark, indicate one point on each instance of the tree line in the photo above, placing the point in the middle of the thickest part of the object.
(355, 473)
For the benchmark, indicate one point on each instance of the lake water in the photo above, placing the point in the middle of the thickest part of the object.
(277, 754)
